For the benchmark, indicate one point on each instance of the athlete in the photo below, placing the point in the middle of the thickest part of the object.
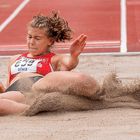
(40, 69)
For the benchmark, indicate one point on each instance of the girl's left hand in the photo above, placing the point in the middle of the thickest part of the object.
(78, 45)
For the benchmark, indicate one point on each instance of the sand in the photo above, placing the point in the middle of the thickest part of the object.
(110, 124)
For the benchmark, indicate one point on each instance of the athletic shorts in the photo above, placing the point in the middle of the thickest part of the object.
(23, 84)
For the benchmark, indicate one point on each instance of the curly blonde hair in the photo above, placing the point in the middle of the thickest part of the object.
(54, 26)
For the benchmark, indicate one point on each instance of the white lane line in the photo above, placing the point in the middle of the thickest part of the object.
(13, 15)
(123, 19)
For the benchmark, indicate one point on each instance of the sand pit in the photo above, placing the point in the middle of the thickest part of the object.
(116, 123)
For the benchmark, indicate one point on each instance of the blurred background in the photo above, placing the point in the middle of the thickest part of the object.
(100, 20)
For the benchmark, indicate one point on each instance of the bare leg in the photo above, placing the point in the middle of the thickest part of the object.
(10, 103)
(11, 107)
(68, 82)
(13, 95)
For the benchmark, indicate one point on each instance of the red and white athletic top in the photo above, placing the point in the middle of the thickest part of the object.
(37, 64)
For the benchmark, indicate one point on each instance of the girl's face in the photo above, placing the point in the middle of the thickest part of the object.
(37, 42)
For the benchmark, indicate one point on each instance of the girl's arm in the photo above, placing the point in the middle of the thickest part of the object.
(68, 62)
(12, 60)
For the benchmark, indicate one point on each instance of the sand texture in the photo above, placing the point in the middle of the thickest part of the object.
(120, 123)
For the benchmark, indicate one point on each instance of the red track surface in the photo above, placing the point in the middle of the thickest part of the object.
(133, 22)
(99, 19)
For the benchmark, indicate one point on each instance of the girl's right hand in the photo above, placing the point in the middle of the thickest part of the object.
(78, 45)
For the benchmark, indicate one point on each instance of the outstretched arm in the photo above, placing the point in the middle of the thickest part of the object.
(69, 62)
(75, 50)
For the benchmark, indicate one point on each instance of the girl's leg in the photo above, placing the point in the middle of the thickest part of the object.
(13, 95)
(68, 83)
(8, 107)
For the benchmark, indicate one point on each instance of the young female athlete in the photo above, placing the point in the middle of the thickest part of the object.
(41, 69)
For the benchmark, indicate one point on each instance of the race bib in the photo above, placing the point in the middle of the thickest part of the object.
(25, 65)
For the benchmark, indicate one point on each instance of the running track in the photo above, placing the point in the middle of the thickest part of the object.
(98, 19)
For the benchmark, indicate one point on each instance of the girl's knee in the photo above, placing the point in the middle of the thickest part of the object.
(88, 83)
(86, 78)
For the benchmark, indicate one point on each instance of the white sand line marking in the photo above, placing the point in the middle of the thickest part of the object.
(95, 54)
(16, 45)
(87, 47)
(89, 44)
(13, 15)
(91, 47)
(100, 42)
